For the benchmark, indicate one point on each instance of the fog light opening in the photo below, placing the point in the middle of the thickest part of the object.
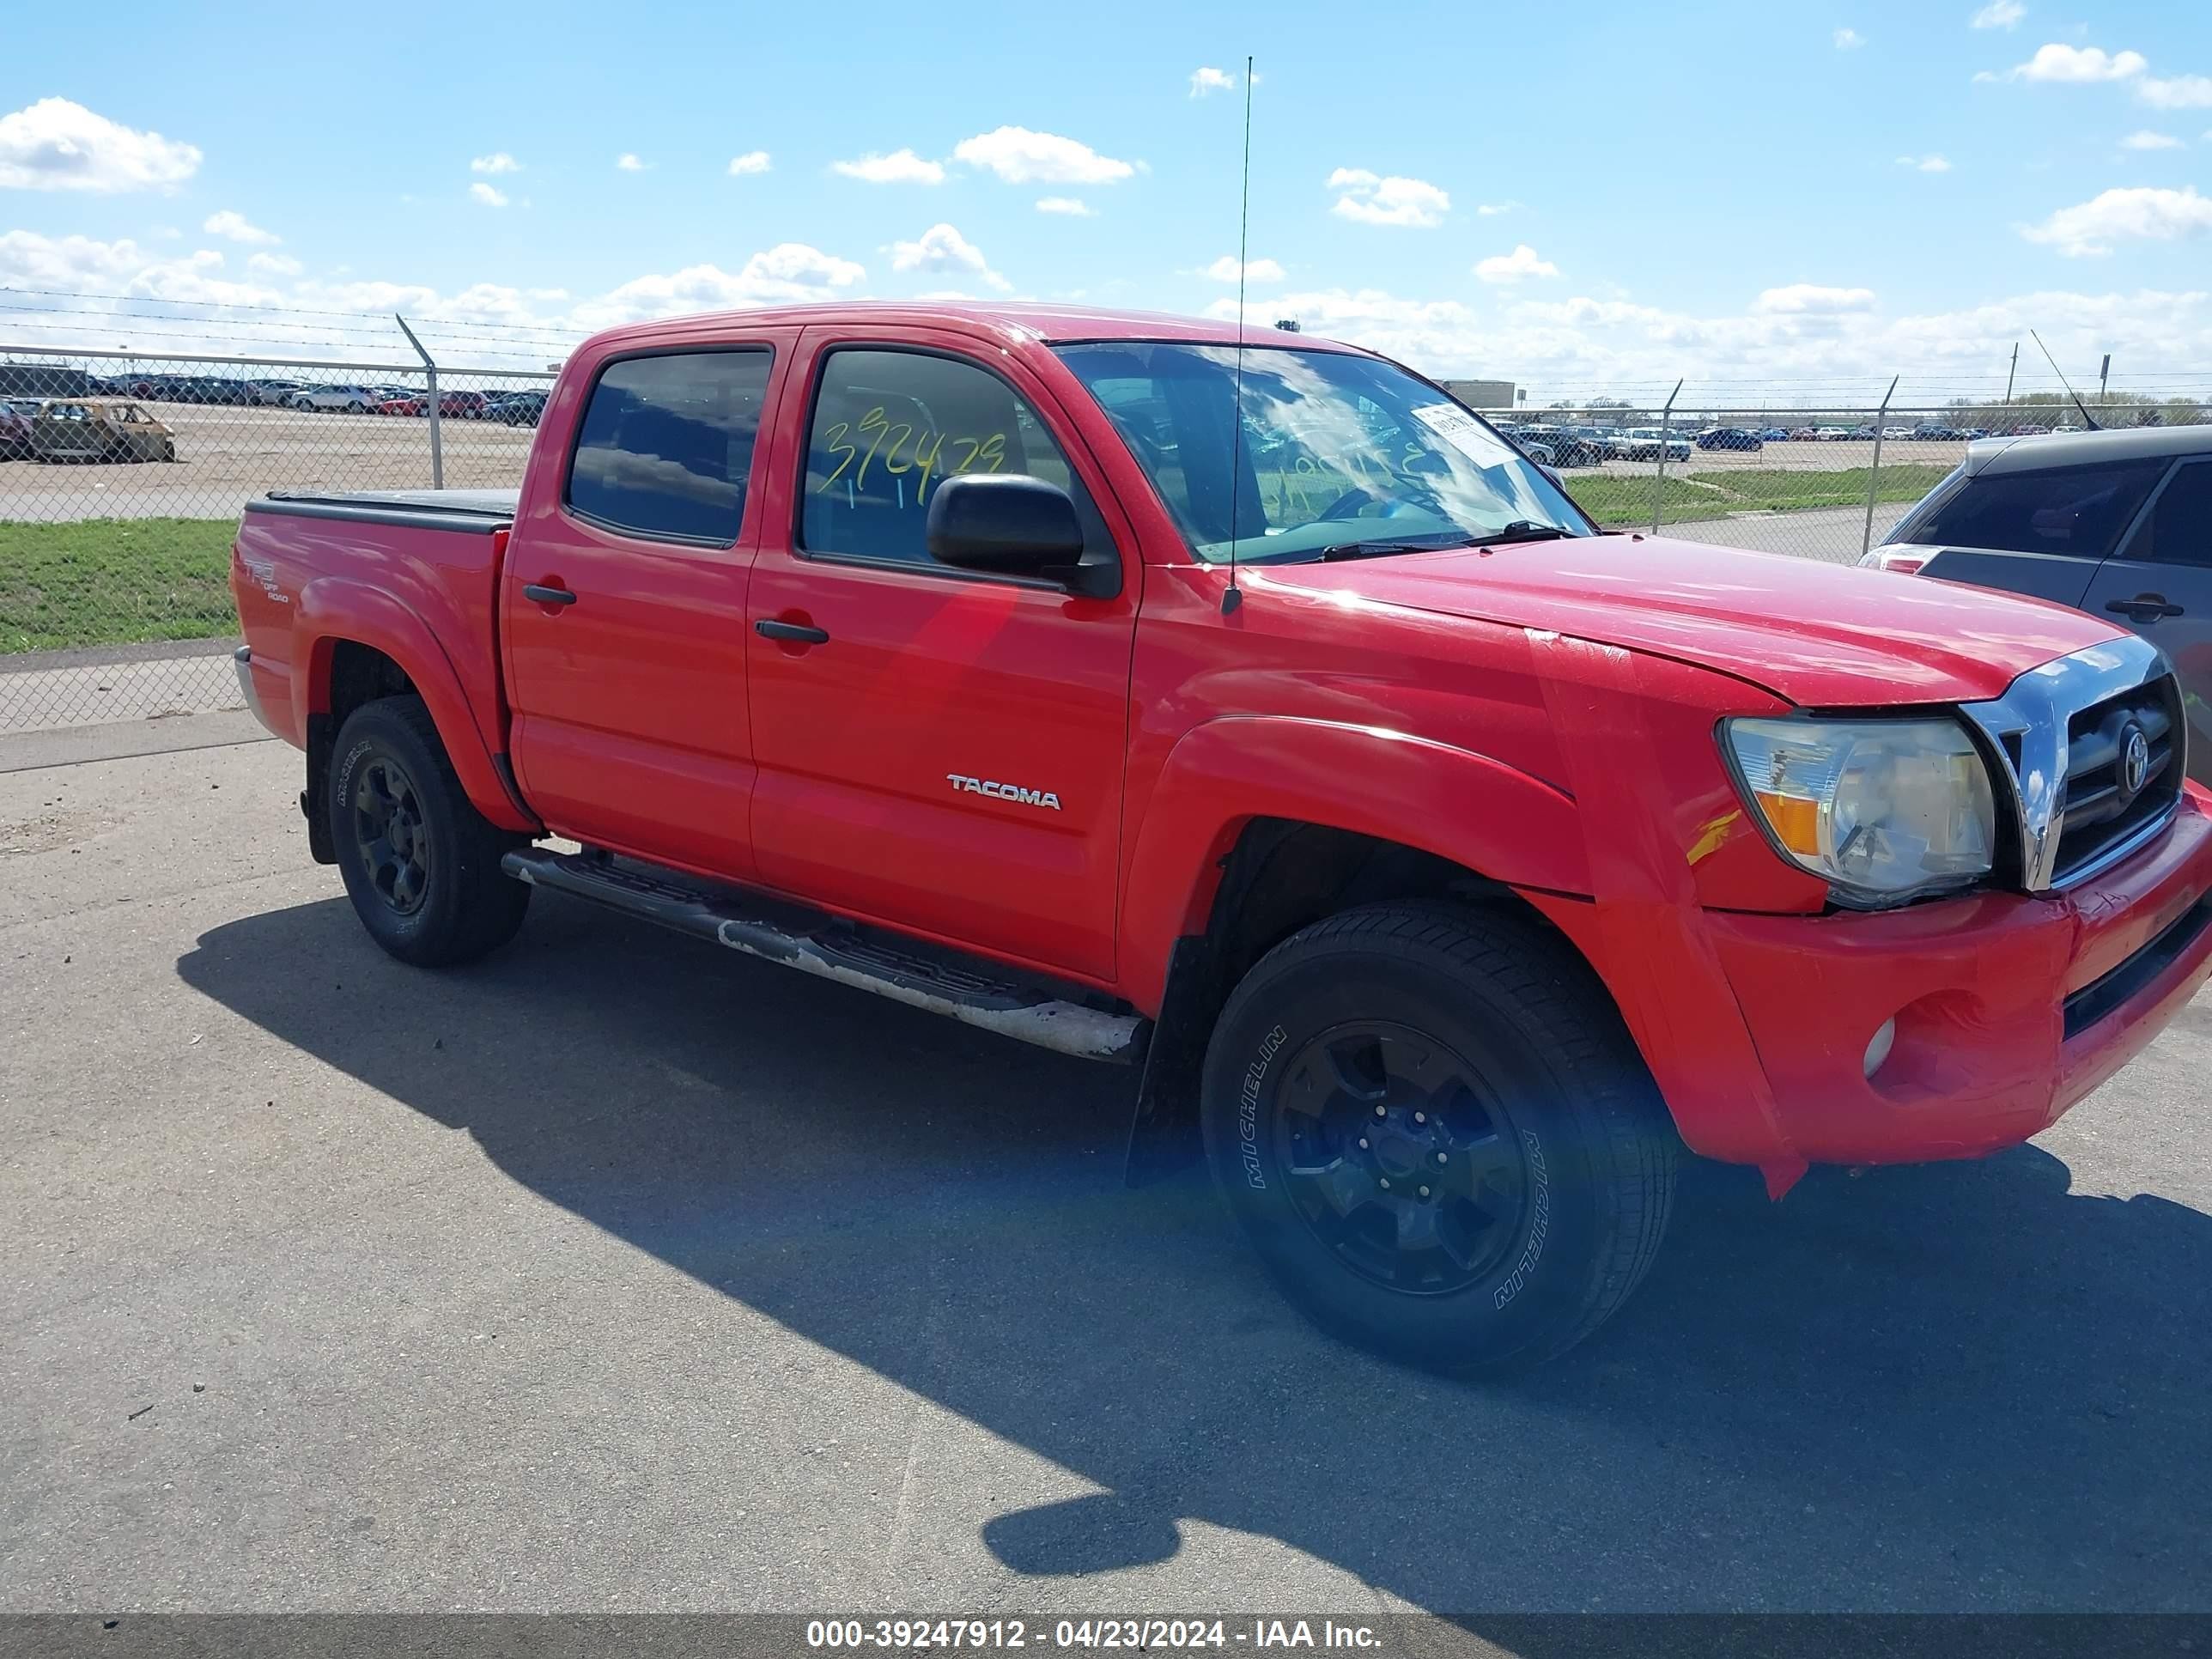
(1878, 1046)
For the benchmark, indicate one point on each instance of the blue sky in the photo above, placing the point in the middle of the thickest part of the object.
(1816, 190)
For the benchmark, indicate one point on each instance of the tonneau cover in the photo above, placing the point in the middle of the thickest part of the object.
(470, 511)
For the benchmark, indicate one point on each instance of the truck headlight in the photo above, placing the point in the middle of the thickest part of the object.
(1884, 810)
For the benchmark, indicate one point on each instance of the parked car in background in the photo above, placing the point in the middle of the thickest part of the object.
(277, 394)
(1645, 443)
(1601, 443)
(401, 403)
(1727, 437)
(1835, 435)
(353, 399)
(1777, 434)
(2117, 524)
(14, 430)
(462, 405)
(516, 408)
(1805, 435)
(1890, 434)
(1937, 432)
(93, 429)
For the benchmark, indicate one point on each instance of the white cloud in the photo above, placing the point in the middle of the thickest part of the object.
(1849, 39)
(1925, 163)
(2149, 140)
(55, 144)
(1374, 200)
(628, 161)
(2058, 62)
(942, 248)
(1022, 157)
(234, 226)
(2140, 214)
(1203, 80)
(1074, 207)
(789, 273)
(274, 265)
(1811, 300)
(901, 167)
(2178, 92)
(1491, 210)
(484, 193)
(753, 161)
(1224, 270)
(1517, 266)
(497, 162)
(1998, 14)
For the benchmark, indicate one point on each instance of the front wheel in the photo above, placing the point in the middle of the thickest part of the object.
(421, 864)
(1433, 1127)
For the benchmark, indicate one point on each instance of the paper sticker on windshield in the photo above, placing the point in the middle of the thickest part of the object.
(1461, 430)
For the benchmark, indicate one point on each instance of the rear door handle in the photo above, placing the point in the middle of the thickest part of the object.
(769, 629)
(2144, 607)
(538, 594)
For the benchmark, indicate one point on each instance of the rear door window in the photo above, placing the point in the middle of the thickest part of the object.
(666, 447)
(2078, 511)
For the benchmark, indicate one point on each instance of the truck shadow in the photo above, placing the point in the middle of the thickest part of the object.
(1952, 1386)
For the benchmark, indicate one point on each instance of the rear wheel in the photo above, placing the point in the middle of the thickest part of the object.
(1434, 1128)
(421, 864)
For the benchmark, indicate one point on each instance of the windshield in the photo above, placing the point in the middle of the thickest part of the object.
(1337, 450)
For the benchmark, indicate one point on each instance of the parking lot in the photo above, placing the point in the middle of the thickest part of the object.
(617, 1272)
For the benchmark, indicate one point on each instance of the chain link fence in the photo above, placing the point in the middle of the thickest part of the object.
(123, 475)
(122, 478)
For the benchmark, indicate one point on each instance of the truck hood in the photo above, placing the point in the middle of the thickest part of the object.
(1820, 635)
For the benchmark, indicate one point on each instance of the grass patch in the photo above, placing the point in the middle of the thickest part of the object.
(115, 581)
(1615, 501)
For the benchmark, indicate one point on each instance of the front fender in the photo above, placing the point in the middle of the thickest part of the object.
(330, 608)
(1466, 807)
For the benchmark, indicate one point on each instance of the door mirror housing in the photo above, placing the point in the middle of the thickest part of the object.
(1006, 523)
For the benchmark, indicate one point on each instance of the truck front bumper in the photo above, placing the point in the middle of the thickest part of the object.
(2007, 1010)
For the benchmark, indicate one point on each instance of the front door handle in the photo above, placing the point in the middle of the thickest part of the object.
(2144, 607)
(537, 593)
(800, 632)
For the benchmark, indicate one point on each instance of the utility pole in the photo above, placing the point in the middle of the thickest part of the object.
(2013, 370)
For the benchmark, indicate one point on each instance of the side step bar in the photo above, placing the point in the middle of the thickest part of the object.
(835, 949)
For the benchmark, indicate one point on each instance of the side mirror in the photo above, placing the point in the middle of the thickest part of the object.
(1007, 523)
(1553, 473)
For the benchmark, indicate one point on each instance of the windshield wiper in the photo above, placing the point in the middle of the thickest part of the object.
(1383, 549)
(1521, 530)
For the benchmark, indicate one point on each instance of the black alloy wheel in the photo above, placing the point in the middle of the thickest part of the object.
(1400, 1158)
(389, 829)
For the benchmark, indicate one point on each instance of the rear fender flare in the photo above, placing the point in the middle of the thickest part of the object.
(335, 608)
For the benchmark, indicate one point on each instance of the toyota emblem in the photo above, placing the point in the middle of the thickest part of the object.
(2135, 762)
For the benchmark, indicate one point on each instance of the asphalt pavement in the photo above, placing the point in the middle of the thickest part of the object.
(616, 1272)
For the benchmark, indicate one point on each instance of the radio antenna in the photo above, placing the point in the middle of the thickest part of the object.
(2063, 381)
(1233, 595)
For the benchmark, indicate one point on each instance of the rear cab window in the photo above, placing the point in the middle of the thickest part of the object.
(2075, 511)
(665, 451)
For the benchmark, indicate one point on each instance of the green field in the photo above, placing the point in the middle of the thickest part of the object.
(1715, 494)
(115, 581)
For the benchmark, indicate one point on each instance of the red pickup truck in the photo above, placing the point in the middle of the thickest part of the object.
(1244, 710)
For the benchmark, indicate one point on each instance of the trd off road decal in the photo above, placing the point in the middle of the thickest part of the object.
(968, 785)
(1247, 1108)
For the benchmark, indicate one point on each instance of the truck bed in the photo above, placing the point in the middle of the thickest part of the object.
(477, 511)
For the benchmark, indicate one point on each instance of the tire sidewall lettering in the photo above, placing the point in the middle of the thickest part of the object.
(1247, 1108)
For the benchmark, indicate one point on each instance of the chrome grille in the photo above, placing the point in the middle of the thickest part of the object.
(2063, 732)
(2098, 810)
